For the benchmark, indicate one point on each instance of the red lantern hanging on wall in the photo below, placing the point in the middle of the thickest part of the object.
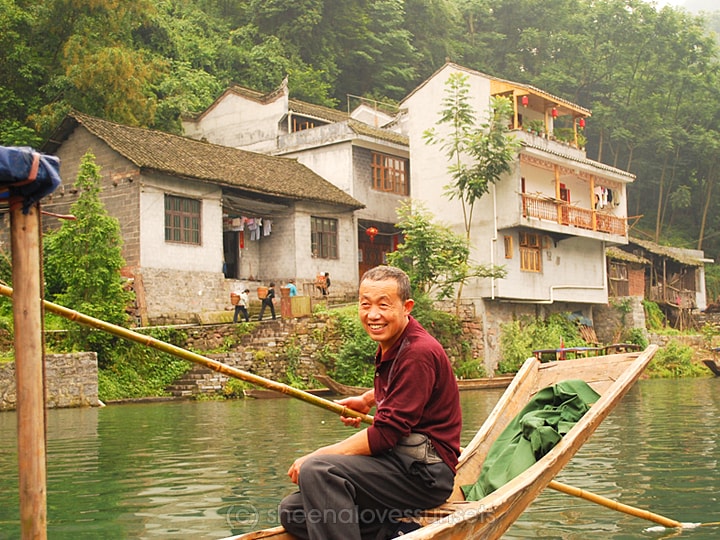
(581, 122)
(371, 232)
(554, 112)
(525, 100)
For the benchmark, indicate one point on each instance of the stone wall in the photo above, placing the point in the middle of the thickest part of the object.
(612, 320)
(273, 350)
(71, 381)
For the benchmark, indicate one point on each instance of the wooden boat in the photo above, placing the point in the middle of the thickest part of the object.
(261, 393)
(340, 389)
(713, 366)
(611, 376)
(501, 381)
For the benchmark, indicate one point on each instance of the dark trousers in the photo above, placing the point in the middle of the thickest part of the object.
(241, 309)
(361, 497)
(266, 302)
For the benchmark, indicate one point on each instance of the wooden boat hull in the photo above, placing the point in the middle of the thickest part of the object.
(611, 376)
(463, 384)
(261, 393)
(713, 366)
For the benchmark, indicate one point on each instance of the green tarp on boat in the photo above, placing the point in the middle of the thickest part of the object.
(532, 434)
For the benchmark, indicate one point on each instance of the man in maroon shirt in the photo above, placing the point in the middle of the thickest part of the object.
(361, 487)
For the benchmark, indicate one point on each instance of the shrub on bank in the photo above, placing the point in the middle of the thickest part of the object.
(674, 360)
(519, 338)
(137, 371)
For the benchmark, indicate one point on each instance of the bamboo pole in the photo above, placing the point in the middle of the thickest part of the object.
(29, 380)
(197, 358)
(614, 505)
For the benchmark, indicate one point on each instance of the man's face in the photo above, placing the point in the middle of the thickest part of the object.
(382, 313)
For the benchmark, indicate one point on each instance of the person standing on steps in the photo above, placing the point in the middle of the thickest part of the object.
(268, 301)
(324, 284)
(242, 306)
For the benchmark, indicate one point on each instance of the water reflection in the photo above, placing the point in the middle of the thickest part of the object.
(209, 469)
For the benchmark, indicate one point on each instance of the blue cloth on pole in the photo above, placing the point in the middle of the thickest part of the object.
(18, 164)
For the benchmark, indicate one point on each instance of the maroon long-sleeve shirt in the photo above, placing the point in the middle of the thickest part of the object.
(416, 391)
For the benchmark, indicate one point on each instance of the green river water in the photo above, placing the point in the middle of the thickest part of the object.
(205, 470)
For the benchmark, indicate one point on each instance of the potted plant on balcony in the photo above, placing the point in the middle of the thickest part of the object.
(536, 126)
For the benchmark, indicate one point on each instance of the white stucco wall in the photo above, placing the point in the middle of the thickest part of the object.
(573, 270)
(155, 252)
(333, 163)
(428, 169)
(239, 122)
(344, 269)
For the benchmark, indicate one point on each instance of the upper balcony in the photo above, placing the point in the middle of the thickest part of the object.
(560, 190)
(564, 213)
(543, 115)
(564, 196)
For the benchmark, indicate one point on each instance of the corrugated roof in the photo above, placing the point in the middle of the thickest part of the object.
(182, 156)
(316, 111)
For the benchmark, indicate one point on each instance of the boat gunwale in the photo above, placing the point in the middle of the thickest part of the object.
(536, 478)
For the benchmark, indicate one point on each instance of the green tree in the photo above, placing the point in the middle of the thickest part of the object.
(84, 257)
(435, 258)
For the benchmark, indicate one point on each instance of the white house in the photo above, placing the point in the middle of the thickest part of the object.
(356, 152)
(548, 222)
(199, 219)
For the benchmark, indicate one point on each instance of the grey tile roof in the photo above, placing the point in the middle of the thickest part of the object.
(316, 111)
(384, 134)
(184, 157)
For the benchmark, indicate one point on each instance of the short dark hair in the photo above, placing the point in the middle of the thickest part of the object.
(380, 273)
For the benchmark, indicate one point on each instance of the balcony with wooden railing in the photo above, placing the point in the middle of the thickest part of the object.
(550, 209)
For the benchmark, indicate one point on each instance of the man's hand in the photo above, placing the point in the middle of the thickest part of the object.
(294, 470)
(361, 404)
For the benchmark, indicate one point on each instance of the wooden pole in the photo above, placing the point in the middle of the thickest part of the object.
(614, 505)
(230, 371)
(27, 314)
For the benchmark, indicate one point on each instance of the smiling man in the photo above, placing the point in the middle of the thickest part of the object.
(361, 487)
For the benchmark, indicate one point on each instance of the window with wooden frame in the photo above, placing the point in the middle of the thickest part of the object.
(618, 281)
(390, 174)
(182, 220)
(508, 247)
(324, 237)
(530, 252)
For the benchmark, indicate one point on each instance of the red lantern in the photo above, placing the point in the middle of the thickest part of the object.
(525, 100)
(581, 122)
(554, 112)
(371, 232)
